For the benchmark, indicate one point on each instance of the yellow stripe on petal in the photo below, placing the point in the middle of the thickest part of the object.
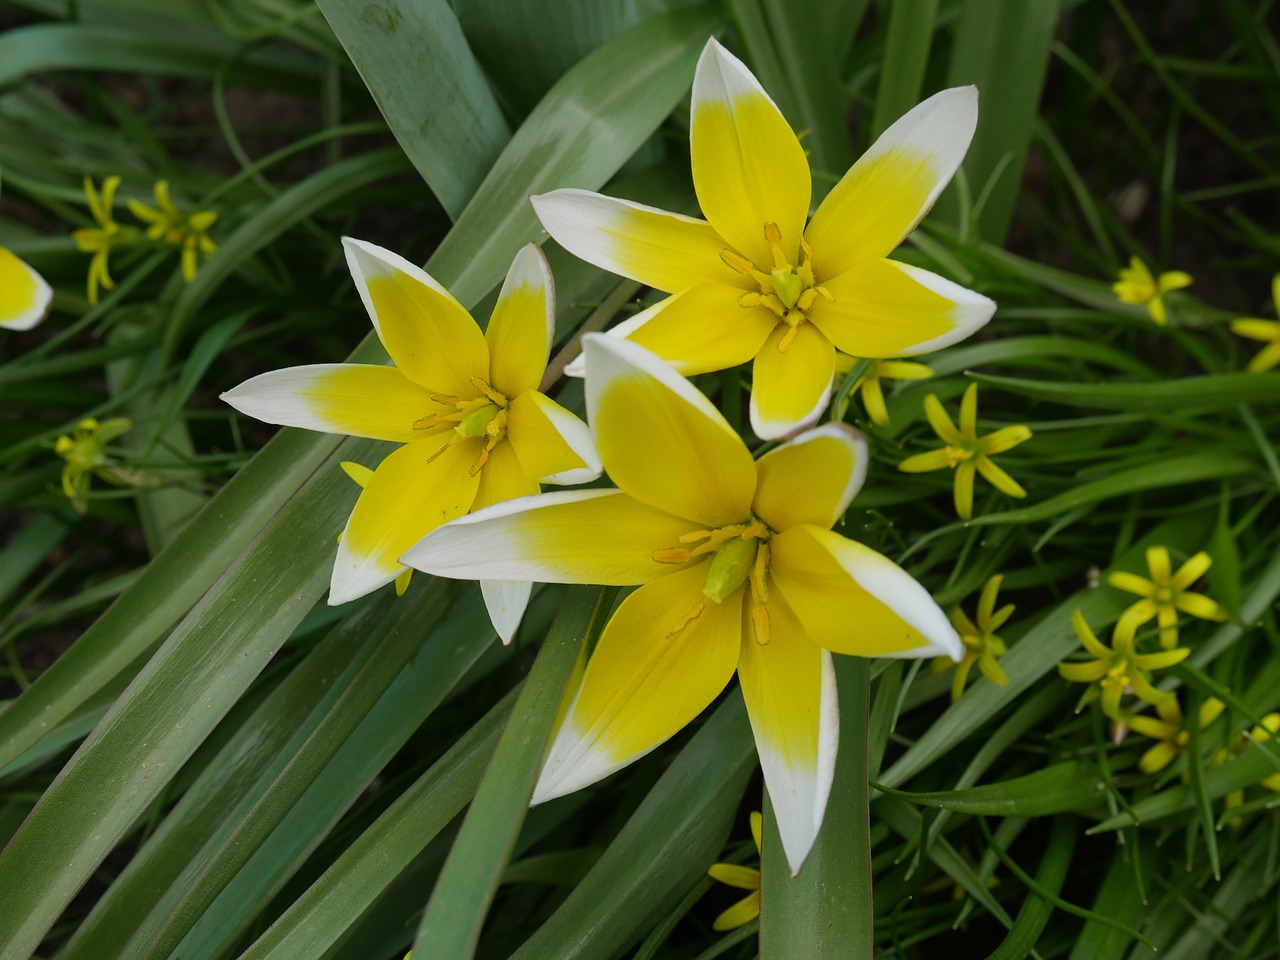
(812, 478)
(359, 400)
(893, 185)
(883, 308)
(661, 440)
(24, 295)
(552, 444)
(575, 536)
(748, 167)
(851, 599)
(666, 653)
(790, 691)
(405, 499)
(666, 251)
(790, 388)
(523, 324)
(428, 334)
(700, 330)
(503, 479)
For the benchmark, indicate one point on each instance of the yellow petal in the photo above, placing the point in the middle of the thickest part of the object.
(428, 334)
(853, 600)
(553, 445)
(1192, 570)
(1173, 280)
(1198, 605)
(503, 479)
(742, 912)
(575, 536)
(24, 295)
(893, 185)
(523, 325)
(666, 251)
(1256, 329)
(999, 479)
(357, 472)
(661, 440)
(1157, 758)
(963, 492)
(790, 691)
(1083, 672)
(701, 329)
(790, 389)
(1265, 359)
(873, 401)
(1159, 565)
(812, 478)
(1131, 583)
(748, 167)
(883, 308)
(356, 399)
(655, 668)
(1006, 438)
(405, 499)
(733, 875)
(969, 411)
(926, 462)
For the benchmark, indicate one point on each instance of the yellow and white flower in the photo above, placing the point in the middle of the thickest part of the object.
(464, 404)
(737, 567)
(24, 294)
(754, 280)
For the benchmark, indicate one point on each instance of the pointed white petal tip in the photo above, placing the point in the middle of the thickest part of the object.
(506, 601)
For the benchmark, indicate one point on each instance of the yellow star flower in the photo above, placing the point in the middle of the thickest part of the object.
(1268, 331)
(738, 570)
(86, 456)
(24, 294)
(167, 224)
(1166, 593)
(869, 381)
(981, 645)
(1137, 285)
(1118, 669)
(464, 404)
(107, 235)
(1170, 730)
(744, 878)
(754, 280)
(965, 452)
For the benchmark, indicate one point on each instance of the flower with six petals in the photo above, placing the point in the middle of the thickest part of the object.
(737, 567)
(965, 452)
(1118, 669)
(85, 452)
(1268, 331)
(868, 381)
(103, 238)
(1138, 285)
(754, 280)
(1166, 593)
(167, 224)
(744, 878)
(981, 645)
(464, 405)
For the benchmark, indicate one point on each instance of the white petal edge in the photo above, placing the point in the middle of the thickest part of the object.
(847, 435)
(530, 269)
(781, 430)
(972, 312)
(368, 260)
(44, 296)
(280, 397)
(506, 601)
(355, 576)
(721, 77)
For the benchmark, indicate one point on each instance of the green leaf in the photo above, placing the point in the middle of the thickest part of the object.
(1059, 788)
(415, 61)
(456, 912)
(1050, 876)
(906, 53)
(1182, 394)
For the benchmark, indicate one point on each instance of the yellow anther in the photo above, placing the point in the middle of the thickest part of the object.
(749, 300)
(426, 423)
(447, 444)
(788, 339)
(805, 300)
(695, 536)
(773, 303)
(822, 292)
(806, 249)
(444, 398)
(805, 273)
(760, 574)
(771, 233)
(738, 262)
(760, 623)
(493, 395)
(670, 555)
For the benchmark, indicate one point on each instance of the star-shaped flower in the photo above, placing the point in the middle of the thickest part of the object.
(1118, 669)
(168, 224)
(981, 645)
(85, 451)
(1268, 331)
(738, 570)
(464, 404)
(744, 878)
(103, 238)
(754, 280)
(868, 381)
(965, 452)
(1137, 285)
(1166, 593)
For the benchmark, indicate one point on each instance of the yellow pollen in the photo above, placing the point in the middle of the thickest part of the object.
(772, 233)
(738, 262)
(494, 396)
(670, 555)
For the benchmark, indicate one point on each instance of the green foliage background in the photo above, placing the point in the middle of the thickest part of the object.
(199, 759)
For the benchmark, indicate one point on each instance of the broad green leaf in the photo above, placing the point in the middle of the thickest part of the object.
(415, 61)
(1181, 394)
(906, 53)
(1059, 788)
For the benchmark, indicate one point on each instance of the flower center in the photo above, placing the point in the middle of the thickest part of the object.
(739, 554)
(482, 416)
(962, 452)
(1164, 596)
(786, 289)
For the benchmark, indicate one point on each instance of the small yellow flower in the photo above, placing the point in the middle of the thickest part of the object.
(965, 452)
(1171, 731)
(1268, 331)
(869, 382)
(85, 453)
(745, 878)
(167, 224)
(1166, 593)
(1118, 669)
(100, 240)
(1137, 285)
(981, 645)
